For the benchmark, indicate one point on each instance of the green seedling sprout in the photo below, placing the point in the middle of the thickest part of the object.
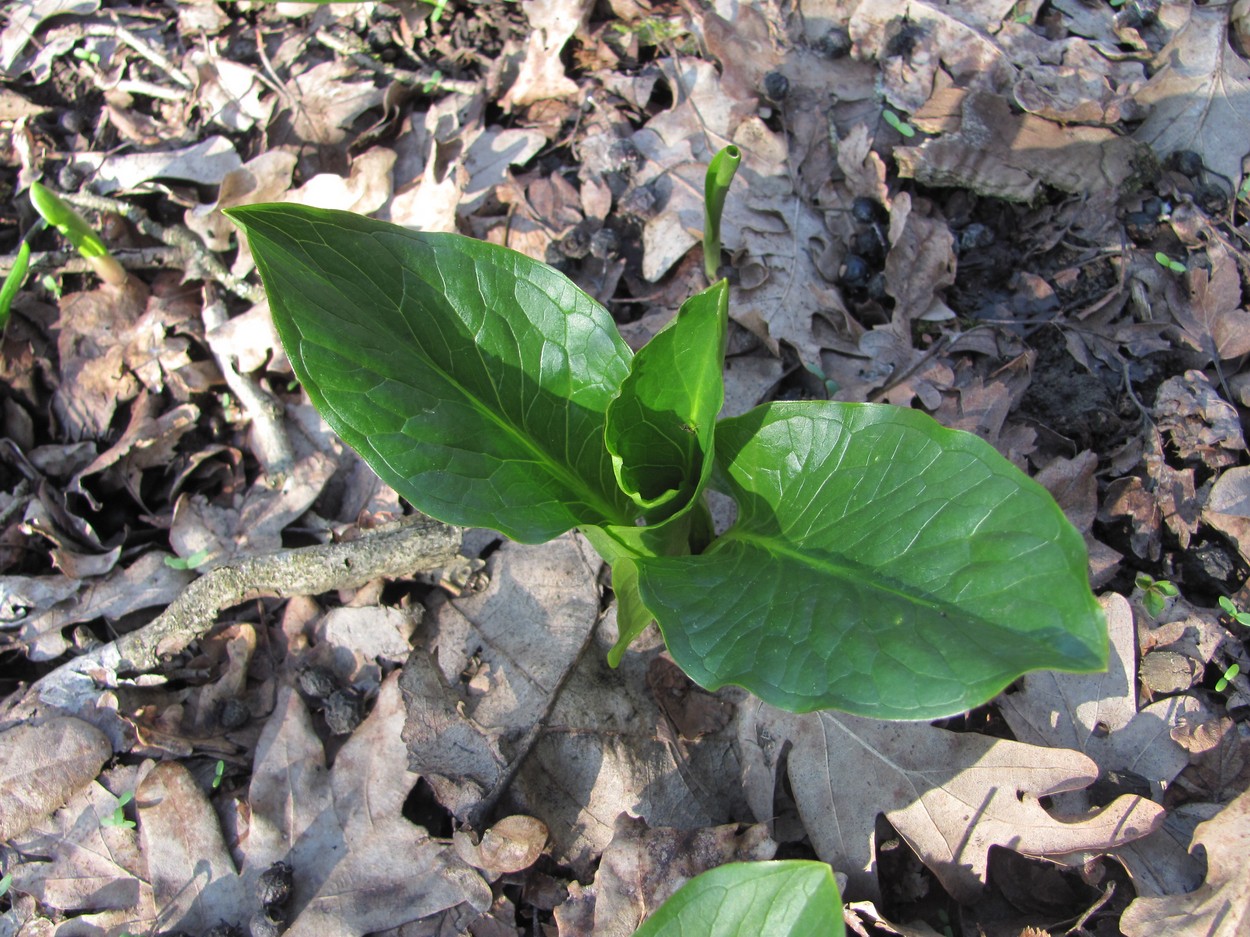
(187, 562)
(75, 229)
(1244, 192)
(118, 816)
(1167, 263)
(720, 175)
(5, 884)
(13, 282)
(1222, 684)
(898, 123)
(1155, 593)
(1242, 618)
(219, 774)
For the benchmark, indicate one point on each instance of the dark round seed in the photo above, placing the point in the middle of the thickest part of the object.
(866, 210)
(233, 714)
(776, 86)
(274, 886)
(1211, 198)
(1186, 162)
(855, 272)
(835, 44)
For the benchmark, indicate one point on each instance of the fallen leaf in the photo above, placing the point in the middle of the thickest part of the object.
(1221, 906)
(1097, 714)
(206, 163)
(642, 867)
(511, 845)
(552, 24)
(951, 796)
(921, 261)
(42, 766)
(326, 101)
(1209, 313)
(1199, 424)
(1198, 94)
(24, 19)
(94, 865)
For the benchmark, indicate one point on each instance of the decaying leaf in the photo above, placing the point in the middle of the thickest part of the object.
(41, 766)
(1200, 96)
(552, 24)
(950, 796)
(512, 844)
(1210, 313)
(1221, 907)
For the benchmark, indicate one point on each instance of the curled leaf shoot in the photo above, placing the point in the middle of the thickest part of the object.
(13, 282)
(898, 123)
(720, 174)
(76, 229)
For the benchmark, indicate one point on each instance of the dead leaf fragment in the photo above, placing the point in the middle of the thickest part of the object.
(42, 766)
(1221, 906)
(512, 844)
(552, 24)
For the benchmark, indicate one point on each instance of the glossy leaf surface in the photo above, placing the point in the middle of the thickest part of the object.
(473, 380)
(793, 898)
(880, 564)
(661, 425)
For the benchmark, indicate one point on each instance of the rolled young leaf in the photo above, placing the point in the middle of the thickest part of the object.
(881, 564)
(661, 425)
(473, 380)
(789, 898)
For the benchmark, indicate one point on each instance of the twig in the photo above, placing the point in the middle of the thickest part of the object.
(355, 50)
(70, 261)
(273, 446)
(393, 551)
(153, 55)
(178, 236)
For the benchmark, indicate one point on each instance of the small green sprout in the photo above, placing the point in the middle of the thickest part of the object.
(85, 55)
(1222, 684)
(187, 562)
(51, 284)
(1242, 618)
(13, 282)
(74, 227)
(1155, 593)
(118, 816)
(5, 883)
(431, 83)
(720, 173)
(1244, 192)
(898, 123)
(1167, 263)
(219, 774)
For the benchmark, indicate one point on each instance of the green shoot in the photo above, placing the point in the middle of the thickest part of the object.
(75, 229)
(118, 816)
(720, 174)
(898, 123)
(51, 284)
(1242, 618)
(1244, 192)
(219, 774)
(187, 562)
(13, 282)
(1167, 263)
(5, 883)
(1222, 684)
(1155, 593)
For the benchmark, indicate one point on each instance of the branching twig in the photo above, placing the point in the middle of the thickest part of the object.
(70, 261)
(393, 551)
(356, 51)
(177, 236)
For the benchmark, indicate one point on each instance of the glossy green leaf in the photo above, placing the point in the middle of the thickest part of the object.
(880, 564)
(791, 898)
(13, 282)
(473, 380)
(661, 426)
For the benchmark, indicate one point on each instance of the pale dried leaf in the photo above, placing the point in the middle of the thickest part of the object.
(1221, 907)
(1097, 713)
(206, 163)
(24, 18)
(949, 795)
(42, 766)
(1198, 422)
(511, 845)
(328, 102)
(552, 24)
(92, 867)
(1200, 96)
(642, 867)
(1209, 313)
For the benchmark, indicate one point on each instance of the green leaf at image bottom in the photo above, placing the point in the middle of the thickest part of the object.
(881, 564)
(794, 898)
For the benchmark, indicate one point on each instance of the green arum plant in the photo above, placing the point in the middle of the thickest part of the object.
(880, 563)
(76, 229)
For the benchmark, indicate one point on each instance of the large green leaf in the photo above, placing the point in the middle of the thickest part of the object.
(473, 380)
(660, 427)
(791, 898)
(880, 564)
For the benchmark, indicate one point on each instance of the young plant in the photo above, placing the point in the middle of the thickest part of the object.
(1222, 684)
(791, 898)
(880, 563)
(13, 282)
(1233, 612)
(1155, 593)
(75, 229)
(118, 816)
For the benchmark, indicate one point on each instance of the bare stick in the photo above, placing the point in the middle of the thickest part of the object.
(393, 551)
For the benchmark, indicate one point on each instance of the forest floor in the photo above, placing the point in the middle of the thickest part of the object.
(224, 658)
